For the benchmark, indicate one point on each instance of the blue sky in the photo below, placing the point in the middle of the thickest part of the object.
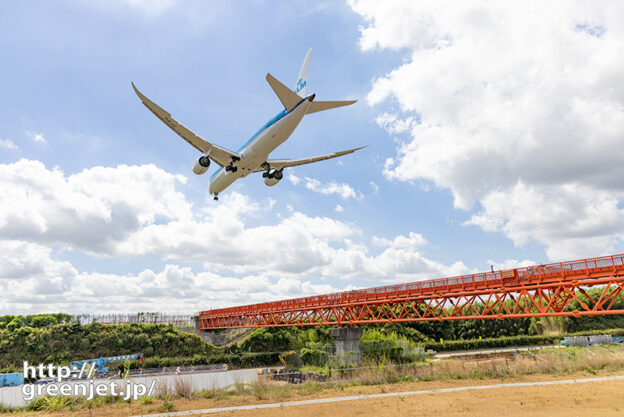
(461, 170)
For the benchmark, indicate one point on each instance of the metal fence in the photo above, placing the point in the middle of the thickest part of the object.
(180, 320)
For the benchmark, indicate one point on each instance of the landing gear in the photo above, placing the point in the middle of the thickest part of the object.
(216, 197)
(232, 167)
(278, 175)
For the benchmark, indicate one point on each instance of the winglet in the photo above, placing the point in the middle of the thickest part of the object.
(144, 99)
(136, 90)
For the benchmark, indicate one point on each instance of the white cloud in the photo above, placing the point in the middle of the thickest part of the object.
(392, 124)
(32, 281)
(517, 107)
(8, 144)
(298, 244)
(399, 262)
(24, 260)
(339, 208)
(294, 180)
(344, 190)
(91, 211)
(410, 241)
(510, 264)
(37, 137)
(131, 211)
(572, 221)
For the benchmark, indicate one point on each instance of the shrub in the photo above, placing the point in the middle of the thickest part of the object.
(313, 357)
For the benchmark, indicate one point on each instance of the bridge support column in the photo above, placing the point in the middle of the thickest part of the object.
(195, 320)
(347, 343)
(206, 335)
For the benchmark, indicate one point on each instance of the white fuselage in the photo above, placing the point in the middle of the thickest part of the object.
(256, 151)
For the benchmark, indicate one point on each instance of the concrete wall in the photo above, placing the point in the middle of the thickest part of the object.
(13, 396)
(347, 343)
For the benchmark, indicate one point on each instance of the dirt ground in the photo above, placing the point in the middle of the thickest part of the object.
(591, 399)
(604, 398)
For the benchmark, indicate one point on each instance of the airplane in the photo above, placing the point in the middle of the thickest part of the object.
(253, 155)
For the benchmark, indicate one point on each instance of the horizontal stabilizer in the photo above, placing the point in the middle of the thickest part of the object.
(326, 105)
(288, 97)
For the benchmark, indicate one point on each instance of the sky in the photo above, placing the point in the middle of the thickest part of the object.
(495, 135)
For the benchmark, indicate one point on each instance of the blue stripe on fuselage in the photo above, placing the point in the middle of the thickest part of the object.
(214, 174)
(263, 128)
(268, 124)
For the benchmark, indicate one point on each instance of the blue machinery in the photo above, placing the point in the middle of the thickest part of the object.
(100, 363)
(11, 380)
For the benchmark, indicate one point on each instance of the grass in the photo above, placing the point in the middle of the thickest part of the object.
(562, 361)
(52, 403)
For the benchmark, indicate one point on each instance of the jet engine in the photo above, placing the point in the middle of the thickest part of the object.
(272, 177)
(201, 166)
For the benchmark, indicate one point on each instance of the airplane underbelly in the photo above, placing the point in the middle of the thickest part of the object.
(287, 126)
(259, 150)
(223, 180)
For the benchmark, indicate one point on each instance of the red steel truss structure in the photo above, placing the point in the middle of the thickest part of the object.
(557, 289)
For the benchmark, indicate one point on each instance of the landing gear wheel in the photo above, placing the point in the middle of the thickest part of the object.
(216, 197)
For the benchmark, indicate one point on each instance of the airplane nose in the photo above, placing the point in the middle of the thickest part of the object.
(311, 97)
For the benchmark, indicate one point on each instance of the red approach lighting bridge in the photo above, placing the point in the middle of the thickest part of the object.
(534, 291)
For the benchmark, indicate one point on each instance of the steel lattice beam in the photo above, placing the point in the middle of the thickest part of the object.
(537, 291)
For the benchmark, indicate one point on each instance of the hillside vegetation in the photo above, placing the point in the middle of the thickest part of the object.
(59, 338)
(61, 343)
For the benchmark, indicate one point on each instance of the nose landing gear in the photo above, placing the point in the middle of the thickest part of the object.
(216, 197)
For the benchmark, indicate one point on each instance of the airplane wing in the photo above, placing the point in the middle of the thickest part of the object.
(218, 154)
(280, 164)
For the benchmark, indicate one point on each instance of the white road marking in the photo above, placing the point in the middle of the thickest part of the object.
(385, 395)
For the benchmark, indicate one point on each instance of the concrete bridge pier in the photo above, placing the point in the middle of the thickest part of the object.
(347, 343)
